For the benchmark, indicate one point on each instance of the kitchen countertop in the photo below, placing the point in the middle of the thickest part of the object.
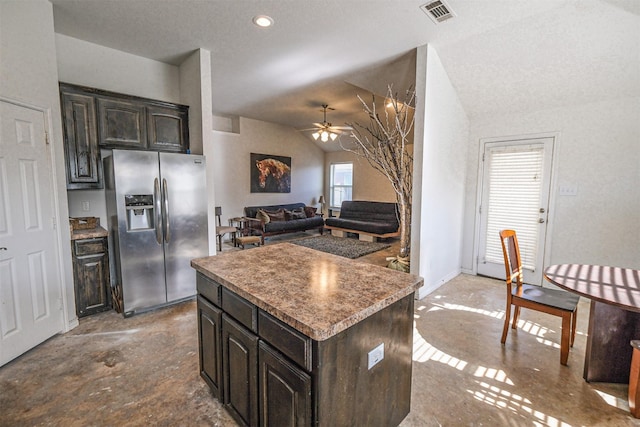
(89, 233)
(316, 293)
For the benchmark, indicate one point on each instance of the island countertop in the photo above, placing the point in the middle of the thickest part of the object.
(318, 294)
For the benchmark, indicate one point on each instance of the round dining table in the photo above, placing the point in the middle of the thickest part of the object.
(614, 317)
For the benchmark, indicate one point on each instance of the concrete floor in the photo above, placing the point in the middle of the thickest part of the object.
(143, 370)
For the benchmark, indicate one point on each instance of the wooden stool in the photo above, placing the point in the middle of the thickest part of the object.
(634, 378)
(243, 240)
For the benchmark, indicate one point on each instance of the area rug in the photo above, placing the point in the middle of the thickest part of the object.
(343, 246)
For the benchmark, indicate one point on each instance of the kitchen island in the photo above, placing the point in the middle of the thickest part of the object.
(293, 336)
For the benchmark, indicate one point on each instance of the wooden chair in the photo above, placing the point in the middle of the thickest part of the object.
(551, 301)
(221, 230)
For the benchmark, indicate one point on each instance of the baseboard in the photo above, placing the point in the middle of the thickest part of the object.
(428, 288)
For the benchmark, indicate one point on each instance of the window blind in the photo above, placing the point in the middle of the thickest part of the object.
(515, 175)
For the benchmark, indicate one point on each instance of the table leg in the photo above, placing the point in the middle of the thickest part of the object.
(608, 353)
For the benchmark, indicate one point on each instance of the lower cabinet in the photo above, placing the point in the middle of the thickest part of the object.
(210, 343)
(285, 390)
(240, 371)
(91, 276)
(257, 384)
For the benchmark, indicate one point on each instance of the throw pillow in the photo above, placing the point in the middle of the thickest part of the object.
(310, 211)
(298, 213)
(262, 215)
(275, 216)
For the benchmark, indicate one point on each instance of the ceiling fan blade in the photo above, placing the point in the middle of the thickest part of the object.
(306, 130)
(342, 127)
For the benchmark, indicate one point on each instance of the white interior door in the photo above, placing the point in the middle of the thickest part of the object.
(516, 180)
(30, 292)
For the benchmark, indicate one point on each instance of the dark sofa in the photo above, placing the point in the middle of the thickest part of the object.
(291, 220)
(374, 219)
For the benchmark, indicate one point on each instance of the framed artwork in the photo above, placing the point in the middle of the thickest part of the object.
(270, 174)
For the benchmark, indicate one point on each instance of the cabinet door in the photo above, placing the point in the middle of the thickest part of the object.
(84, 168)
(240, 366)
(121, 123)
(285, 390)
(168, 128)
(92, 288)
(209, 343)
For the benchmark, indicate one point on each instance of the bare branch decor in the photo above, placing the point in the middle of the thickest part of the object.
(384, 142)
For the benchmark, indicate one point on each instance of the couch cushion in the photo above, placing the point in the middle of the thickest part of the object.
(294, 225)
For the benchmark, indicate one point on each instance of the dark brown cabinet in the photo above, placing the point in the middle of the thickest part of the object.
(260, 385)
(240, 371)
(285, 390)
(95, 119)
(167, 127)
(210, 343)
(84, 168)
(91, 276)
(121, 124)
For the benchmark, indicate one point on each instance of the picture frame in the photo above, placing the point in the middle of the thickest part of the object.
(270, 173)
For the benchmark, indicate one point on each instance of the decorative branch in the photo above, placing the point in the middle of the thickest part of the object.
(383, 142)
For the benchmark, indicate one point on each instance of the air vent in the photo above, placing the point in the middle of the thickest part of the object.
(438, 11)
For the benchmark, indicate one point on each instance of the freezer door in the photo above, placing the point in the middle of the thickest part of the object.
(141, 256)
(185, 222)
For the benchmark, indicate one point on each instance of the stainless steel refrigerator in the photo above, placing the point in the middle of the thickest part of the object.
(157, 213)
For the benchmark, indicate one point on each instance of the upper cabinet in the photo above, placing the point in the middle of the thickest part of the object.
(168, 127)
(121, 124)
(95, 119)
(84, 168)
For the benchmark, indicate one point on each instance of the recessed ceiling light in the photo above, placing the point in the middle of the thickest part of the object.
(263, 21)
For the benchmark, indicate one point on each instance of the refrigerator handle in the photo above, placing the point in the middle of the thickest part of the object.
(165, 214)
(156, 208)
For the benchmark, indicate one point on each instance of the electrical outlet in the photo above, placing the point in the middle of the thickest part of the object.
(85, 205)
(568, 190)
(375, 356)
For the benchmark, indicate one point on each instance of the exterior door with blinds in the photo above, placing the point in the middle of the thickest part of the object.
(515, 195)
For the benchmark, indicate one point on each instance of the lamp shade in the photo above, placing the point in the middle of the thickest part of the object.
(321, 200)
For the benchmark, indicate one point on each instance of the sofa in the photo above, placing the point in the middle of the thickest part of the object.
(370, 220)
(279, 219)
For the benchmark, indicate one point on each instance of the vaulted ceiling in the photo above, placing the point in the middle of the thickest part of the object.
(501, 55)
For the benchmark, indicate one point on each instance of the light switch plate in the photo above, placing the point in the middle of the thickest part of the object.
(85, 206)
(375, 356)
(568, 190)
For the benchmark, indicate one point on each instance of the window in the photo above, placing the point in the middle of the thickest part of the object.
(341, 184)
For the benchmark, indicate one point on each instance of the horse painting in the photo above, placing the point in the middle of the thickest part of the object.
(272, 176)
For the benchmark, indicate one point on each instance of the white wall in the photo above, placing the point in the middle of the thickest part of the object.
(599, 152)
(29, 74)
(89, 64)
(439, 210)
(229, 158)
(368, 183)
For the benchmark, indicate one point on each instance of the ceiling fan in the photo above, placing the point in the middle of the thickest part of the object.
(325, 130)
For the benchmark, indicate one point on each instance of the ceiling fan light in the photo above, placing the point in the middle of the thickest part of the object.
(324, 136)
(315, 135)
(333, 136)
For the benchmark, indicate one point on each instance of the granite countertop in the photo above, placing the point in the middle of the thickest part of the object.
(89, 233)
(318, 294)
